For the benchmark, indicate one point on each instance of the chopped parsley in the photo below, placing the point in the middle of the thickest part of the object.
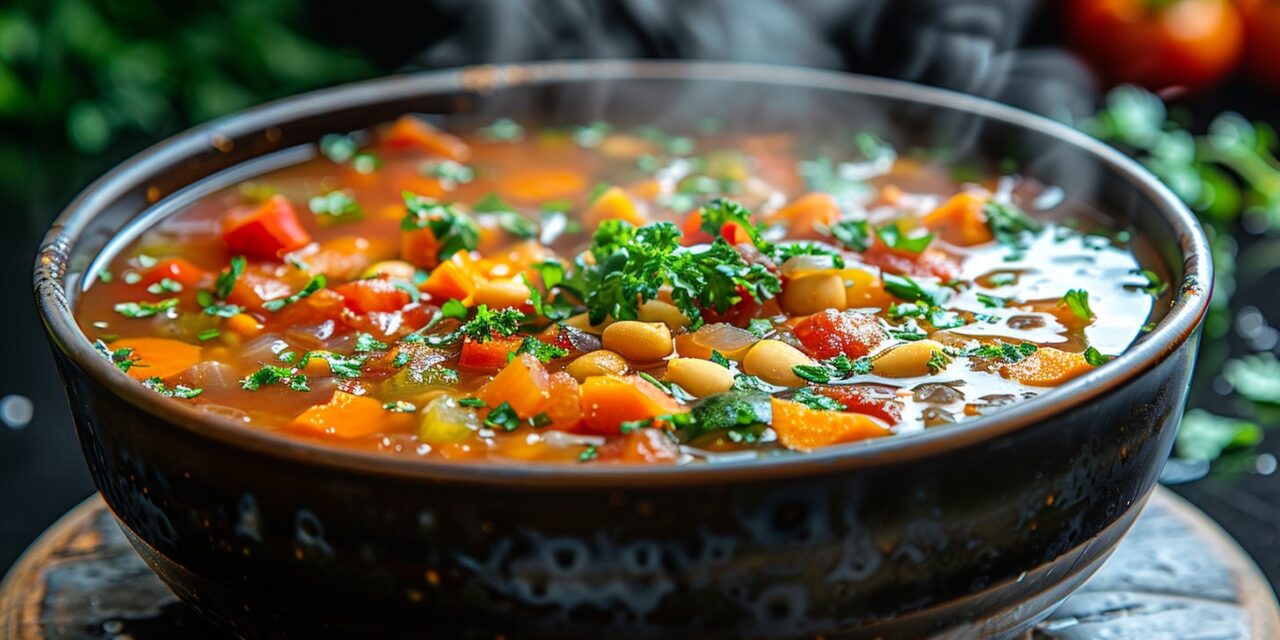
(336, 206)
(720, 359)
(760, 327)
(788, 251)
(208, 334)
(1010, 225)
(475, 403)
(633, 264)
(1078, 301)
(721, 211)
(541, 350)
(453, 230)
(855, 235)
(271, 374)
(489, 323)
(588, 454)
(315, 284)
(178, 391)
(338, 148)
(835, 368)
(1096, 358)
(893, 237)
(145, 309)
(227, 279)
(938, 360)
(401, 359)
(454, 309)
(450, 172)
(1002, 350)
(400, 406)
(123, 358)
(911, 290)
(1154, 285)
(810, 397)
(992, 302)
(365, 343)
(163, 286)
(504, 417)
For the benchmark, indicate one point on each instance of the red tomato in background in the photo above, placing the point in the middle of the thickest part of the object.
(1159, 43)
(1262, 51)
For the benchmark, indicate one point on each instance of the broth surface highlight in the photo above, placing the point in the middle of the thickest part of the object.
(588, 295)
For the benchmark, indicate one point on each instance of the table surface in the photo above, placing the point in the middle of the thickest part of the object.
(1175, 575)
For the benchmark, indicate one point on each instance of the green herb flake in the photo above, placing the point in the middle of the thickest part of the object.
(315, 284)
(541, 350)
(400, 406)
(208, 334)
(588, 454)
(1078, 301)
(144, 309)
(163, 286)
(178, 391)
(365, 343)
(488, 323)
(336, 207)
(453, 230)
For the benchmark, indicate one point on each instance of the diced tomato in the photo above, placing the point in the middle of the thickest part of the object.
(261, 282)
(873, 401)
(373, 294)
(264, 231)
(523, 384)
(410, 132)
(692, 232)
(831, 333)
(928, 263)
(177, 269)
(490, 355)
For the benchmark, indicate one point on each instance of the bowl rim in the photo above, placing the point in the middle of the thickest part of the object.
(1178, 326)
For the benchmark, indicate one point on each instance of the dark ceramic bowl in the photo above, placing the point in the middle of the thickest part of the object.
(969, 530)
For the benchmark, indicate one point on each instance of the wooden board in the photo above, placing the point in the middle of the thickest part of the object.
(1176, 575)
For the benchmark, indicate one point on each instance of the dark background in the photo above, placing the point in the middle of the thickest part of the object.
(85, 83)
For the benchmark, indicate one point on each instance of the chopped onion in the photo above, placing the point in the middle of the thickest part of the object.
(724, 337)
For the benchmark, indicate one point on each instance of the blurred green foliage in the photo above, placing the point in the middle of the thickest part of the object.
(83, 82)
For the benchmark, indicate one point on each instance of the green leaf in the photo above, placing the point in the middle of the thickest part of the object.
(144, 309)
(454, 309)
(1205, 436)
(1078, 301)
(365, 342)
(893, 238)
(454, 230)
(855, 235)
(315, 284)
(1096, 358)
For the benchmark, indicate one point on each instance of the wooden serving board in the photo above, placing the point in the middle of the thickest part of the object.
(1176, 575)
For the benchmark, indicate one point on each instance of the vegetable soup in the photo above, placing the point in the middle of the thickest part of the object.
(594, 295)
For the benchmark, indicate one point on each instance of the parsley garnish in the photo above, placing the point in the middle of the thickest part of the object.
(1003, 350)
(145, 309)
(788, 251)
(178, 391)
(632, 265)
(400, 406)
(853, 234)
(454, 230)
(588, 454)
(208, 334)
(365, 342)
(1154, 285)
(1096, 358)
(1010, 225)
(538, 349)
(454, 309)
(163, 286)
(476, 403)
(1078, 301)
(315, 284)
(719, 359)
(339, 365)
(271, 374)
(488, 323)
(338, 148)
(450, 172)
(336, 206)
(911, 290)
(938, 360)
(760, 327)
(504, 417)
(894, 238)
(992, 302)
(835, 368)
(123, 358)
(809, 397)
(402, 358)
(721, 211)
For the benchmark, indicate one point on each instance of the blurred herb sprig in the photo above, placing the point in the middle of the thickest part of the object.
(1230, 177)
(83, 82)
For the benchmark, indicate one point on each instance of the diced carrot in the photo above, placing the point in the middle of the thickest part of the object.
(649, 445)
(373, 294)
(177, 269)
(613, 204)
(244, 325)
(805, 213)
(453, 279)
(420, 247)
(409, 132)
(804, 429)
(158, 357)
(563, 406)
(960, 220)
(608, 401)
(540, 184)
(264, 231)
(1047, 367)
(523, 383)
(349, 416)
(346, 257)
(647, 190)
(863, 289)
(490, 355)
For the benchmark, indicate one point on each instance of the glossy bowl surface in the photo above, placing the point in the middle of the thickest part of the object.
(972, 528)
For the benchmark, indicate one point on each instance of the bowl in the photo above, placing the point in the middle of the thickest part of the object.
(974, 529)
